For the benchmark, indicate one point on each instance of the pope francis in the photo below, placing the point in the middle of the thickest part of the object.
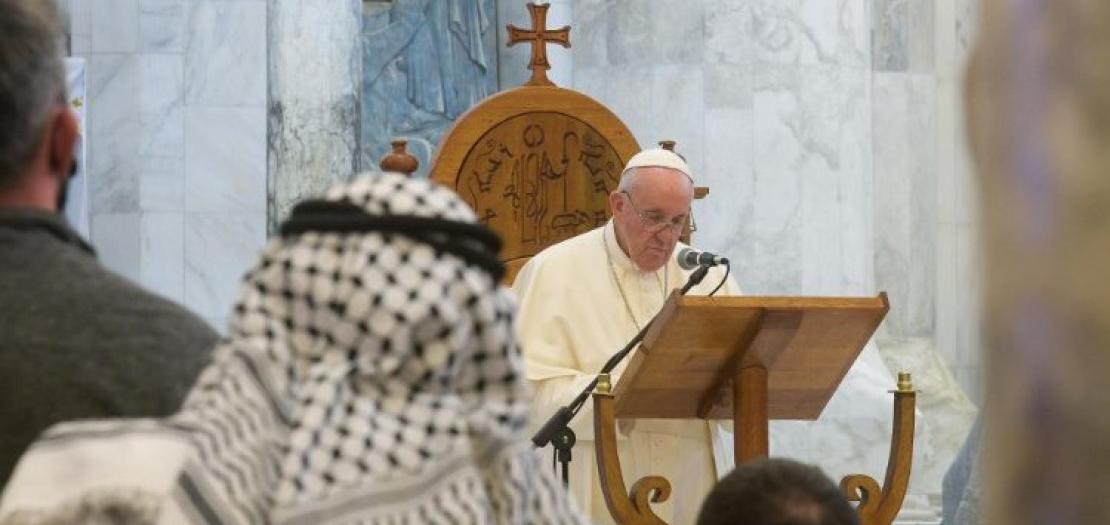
(583, 299)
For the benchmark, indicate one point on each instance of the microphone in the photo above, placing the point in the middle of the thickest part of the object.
(689, 258)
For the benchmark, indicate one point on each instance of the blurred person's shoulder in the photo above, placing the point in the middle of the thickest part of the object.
(49, 270)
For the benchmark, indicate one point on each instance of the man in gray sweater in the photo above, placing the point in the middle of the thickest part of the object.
(76, 341)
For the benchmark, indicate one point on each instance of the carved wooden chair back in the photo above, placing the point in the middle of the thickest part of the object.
(537, 164)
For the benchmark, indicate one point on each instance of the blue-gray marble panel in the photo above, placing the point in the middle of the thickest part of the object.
(777, 187)
(810, 33)
(966, 187)
(589, 33)
(162, 184)
(80, 27)
(161, 115)
(219, 248)
(922, 126)
(225, 58)
(949, 119)
(905, 33)
(162, 26)
(890, 30)
(906, 200)
(971, 380)
(967, 23)
(114, 26)
(225, 153)
(163, 254)
(629, 94)
(114, 133)
(629, 36)
(592, 81)
(729, 33)
(968, 282)
(725, 218)
(812, 155)
(678, 90)
(948, 294)
(727, 86)
(838, 184)
(922, 31)
(791, 439)
(677, 31)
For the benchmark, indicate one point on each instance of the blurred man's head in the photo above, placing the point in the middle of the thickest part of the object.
(37, 128)
(650, 207)
(776, 492)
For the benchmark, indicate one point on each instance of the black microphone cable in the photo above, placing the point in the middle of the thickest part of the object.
(728, 268)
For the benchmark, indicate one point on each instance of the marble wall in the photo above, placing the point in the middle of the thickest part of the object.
(315, 68)
(925, 213)
(830, 134)
(176, 141)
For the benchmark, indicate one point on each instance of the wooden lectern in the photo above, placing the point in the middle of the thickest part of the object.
(751, 359)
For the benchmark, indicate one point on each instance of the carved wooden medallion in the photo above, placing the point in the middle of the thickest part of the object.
(537, 164)
(538, 179)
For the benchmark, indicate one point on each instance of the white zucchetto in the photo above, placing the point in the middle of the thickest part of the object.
(658, 158)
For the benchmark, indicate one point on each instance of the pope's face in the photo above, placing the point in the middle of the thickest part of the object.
(649, 215)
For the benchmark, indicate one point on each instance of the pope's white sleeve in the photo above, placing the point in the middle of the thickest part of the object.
(550, 362)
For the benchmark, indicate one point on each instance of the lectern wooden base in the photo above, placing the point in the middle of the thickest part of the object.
(877, 505)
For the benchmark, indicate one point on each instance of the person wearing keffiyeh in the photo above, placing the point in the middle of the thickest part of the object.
(370, 376)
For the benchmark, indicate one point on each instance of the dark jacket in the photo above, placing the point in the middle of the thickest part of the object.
(77, 341)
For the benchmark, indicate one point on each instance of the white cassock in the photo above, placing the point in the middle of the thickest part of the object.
(581, 301)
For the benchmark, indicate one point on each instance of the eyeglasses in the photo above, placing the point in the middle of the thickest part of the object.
(656, 222)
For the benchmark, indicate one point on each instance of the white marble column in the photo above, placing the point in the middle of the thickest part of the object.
(314, 85)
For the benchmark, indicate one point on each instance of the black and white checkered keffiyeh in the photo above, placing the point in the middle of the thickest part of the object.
(368, 377)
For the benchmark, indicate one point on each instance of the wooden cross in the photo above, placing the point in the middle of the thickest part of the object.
(539, 37)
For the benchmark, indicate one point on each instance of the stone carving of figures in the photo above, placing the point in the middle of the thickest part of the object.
(425, 63)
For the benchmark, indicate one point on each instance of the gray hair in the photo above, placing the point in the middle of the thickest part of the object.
(32, 79)
(628, 179)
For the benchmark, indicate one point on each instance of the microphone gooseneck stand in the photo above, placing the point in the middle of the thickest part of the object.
(557, 428)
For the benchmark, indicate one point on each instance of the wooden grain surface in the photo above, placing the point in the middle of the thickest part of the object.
(807, 344)
(537, 164)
